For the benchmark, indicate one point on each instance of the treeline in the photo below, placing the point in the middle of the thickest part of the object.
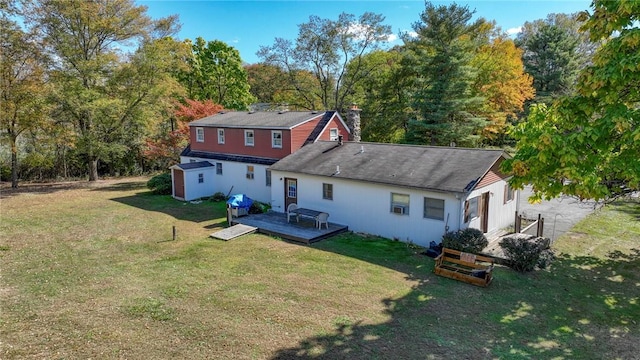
(99, 88)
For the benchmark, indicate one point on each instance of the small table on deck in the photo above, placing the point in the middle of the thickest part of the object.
(307, 213)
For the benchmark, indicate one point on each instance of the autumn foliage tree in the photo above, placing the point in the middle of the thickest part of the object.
(588, 145)
(503, 84)
(23, 87)
(165, 148)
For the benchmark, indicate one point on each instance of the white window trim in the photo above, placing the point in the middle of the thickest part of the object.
(253, 138)
(431, 217)
(333, 137)
(273, 143)
(220, 136)
(508, 190)
(468, 214)
(323, 192)
(395, 205)
(199, 134)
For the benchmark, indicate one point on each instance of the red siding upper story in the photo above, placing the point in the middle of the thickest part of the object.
(234, 142)
(492, 176)
(234, 138)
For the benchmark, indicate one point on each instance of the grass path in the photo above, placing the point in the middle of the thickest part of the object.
(87, 272)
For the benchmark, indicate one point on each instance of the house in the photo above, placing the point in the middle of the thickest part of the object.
(410, 193)
(230, 152)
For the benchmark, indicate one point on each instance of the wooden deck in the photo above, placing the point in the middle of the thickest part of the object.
(275, 224)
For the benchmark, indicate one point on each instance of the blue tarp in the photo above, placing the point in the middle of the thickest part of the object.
(241, 201)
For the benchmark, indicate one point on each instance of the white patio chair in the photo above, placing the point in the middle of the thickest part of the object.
(323, 218)
(290, 208)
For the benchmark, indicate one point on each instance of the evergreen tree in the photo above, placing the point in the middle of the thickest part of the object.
(440, 56)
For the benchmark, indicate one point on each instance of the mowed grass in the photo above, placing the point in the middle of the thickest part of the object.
(91, 272)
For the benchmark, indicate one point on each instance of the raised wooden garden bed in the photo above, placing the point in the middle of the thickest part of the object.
(470, 268)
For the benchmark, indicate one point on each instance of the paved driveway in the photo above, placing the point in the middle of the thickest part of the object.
(560, 214)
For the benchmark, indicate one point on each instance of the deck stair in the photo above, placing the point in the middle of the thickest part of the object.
(234, 232)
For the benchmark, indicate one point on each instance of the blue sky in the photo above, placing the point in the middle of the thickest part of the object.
(247, 25)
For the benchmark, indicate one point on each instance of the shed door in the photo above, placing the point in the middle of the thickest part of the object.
(290, 192)
(178, 183)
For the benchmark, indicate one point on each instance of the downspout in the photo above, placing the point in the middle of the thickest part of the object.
(459, 211)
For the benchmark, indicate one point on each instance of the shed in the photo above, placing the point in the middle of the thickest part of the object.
(193, 180)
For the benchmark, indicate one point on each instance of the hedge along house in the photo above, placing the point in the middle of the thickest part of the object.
(230, 152)
(410, 193)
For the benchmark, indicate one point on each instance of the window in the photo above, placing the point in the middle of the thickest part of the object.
(250, 172)
(200, 178)
(248, 138)
(199, 134)
(508, 193)
(276, 139)
(434, 208)
(268, 177)
(220, 136)
(292, 188)
(470, 209)
(327, 191)
(400, 204)
(219, 168)
(333, 134)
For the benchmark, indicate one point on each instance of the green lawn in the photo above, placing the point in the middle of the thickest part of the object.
(91, 272)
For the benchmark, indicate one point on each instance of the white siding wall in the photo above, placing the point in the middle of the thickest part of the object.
(235, 174)
(501, 215)
(194, 189)
(366, 207)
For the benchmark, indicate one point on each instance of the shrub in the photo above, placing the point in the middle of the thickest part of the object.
(546, 258)
(160, 184)
(467, 240)
(258, 208)
(217, 197)
(525, 254)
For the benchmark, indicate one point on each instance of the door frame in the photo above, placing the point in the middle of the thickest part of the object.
(288, 199)
(484, 212)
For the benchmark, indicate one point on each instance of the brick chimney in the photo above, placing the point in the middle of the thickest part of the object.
(353, 122)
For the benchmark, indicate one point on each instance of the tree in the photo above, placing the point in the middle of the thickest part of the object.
(23, 87)
(270, 85)
(165, 148)
(97, 90)
(502, 82)
(384, 96)
(324, 48)
(587, 145)
(554, 51)
(265, 81)
(441, 58)
(216, 74)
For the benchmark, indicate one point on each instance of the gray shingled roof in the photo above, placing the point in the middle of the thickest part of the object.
(258, 119)
(427, 167)
(194, 165)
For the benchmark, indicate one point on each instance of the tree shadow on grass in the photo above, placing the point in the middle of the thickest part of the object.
(584, 307)
(629, 206)
(50, 187)
(123, 186)
(198, 212)
(42, 188)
